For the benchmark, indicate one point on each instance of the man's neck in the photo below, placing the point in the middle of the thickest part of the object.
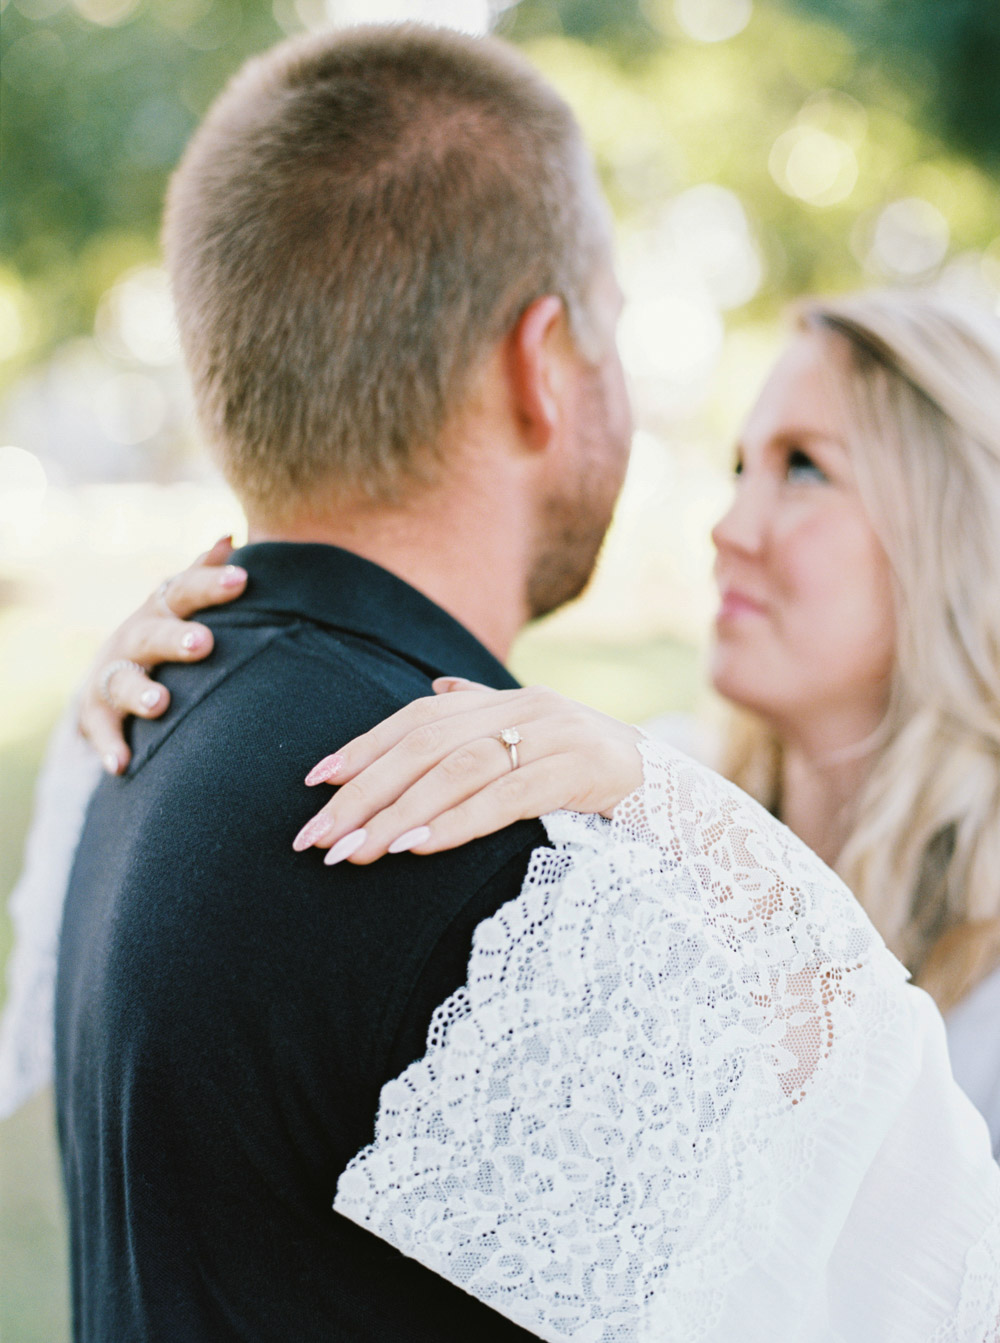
(458, 556)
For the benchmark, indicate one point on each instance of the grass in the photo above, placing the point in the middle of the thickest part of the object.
(34, 1306)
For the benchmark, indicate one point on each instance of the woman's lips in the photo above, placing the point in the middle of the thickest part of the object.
(735, 605)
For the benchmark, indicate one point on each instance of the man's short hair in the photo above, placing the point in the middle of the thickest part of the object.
(360, 218)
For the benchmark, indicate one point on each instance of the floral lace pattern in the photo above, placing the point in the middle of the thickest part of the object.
(653, 1109)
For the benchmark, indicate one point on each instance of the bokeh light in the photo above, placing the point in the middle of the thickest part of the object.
(130, 408)
(817, 167)
(910, 238)
(23, 485)
(713, 20)
(135, 318)
(470, 16)
(108, 13)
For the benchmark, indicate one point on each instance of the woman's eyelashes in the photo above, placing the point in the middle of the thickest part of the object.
(796, 466)
(802, 468)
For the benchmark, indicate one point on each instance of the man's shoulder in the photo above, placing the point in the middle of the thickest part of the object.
(312, 679)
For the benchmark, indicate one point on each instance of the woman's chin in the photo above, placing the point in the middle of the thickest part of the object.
(731, 678)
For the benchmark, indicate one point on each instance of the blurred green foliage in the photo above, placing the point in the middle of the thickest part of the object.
(96, 110)
(949, 50)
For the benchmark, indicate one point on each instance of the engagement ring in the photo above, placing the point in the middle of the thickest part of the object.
(509, 738)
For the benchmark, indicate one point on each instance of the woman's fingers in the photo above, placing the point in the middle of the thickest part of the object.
(423, 722)
(461, 753)
(448, 758)
(415, 823)
(519, 796)
(101, 727)
(151, 639)
(157, 632)
(200, 586)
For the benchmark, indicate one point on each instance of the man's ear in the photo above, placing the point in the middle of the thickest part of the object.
(537, 348)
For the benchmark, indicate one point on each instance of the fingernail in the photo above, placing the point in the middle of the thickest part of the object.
(149, 698)
(345, 847)
(410, 839)
(310, 833)
(110, 763)
(232, 576)
(325, 770)
(192, 640)
(445, 684)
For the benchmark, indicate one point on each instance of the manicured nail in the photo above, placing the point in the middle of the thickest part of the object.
(310, 833)
(345, 847)
(149, 699)
(443, 685)
(111, 764)
(192, 640)
(325, 770)
(410, 839)
(232, 576)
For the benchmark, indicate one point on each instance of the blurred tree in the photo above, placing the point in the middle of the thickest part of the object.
(948, 49)
(99, 97)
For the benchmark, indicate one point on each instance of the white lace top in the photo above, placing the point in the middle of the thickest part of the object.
(973, 1027)
(686, 1094)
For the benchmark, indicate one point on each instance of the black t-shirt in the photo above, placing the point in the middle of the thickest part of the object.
(228, 1010)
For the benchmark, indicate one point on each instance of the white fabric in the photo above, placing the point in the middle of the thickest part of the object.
(68, 777)
(973, 1027)
(974, 1046)
(686, 1094)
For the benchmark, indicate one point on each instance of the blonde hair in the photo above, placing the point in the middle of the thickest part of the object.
(922, 396)
(361, 216)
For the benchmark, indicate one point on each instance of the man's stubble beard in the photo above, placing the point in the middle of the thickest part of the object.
(573, 523)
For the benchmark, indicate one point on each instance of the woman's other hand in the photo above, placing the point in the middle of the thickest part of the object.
(117, 684)
(438, 774)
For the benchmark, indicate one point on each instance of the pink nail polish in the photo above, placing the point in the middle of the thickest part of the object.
(325, 770)
(149, 698)
(191, 640)
(344, 848)
(232, 576)
(309, 834)
(110, 763)
(410, 839)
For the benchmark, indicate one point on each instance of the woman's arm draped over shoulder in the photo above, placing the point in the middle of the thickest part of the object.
(687, 1093)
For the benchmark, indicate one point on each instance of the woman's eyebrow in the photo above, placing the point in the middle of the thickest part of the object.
(804, 435)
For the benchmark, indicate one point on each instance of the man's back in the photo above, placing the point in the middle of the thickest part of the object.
(228, 1010)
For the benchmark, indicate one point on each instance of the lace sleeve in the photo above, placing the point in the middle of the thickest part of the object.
(66, 783)
(687, 1094)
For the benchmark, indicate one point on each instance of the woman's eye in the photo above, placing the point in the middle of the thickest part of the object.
(801, 467)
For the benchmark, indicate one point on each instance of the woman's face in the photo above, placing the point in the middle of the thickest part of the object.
(804, 631)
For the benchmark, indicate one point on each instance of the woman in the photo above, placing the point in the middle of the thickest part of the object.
(858, 633)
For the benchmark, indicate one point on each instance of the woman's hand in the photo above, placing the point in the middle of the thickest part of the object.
(437, 774)
(117, 684)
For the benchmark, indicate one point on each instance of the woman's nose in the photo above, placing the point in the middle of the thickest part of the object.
(742, 526)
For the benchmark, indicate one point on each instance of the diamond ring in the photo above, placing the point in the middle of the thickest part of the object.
(509, 738)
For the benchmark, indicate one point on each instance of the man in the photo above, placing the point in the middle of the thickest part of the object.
(392, 272)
